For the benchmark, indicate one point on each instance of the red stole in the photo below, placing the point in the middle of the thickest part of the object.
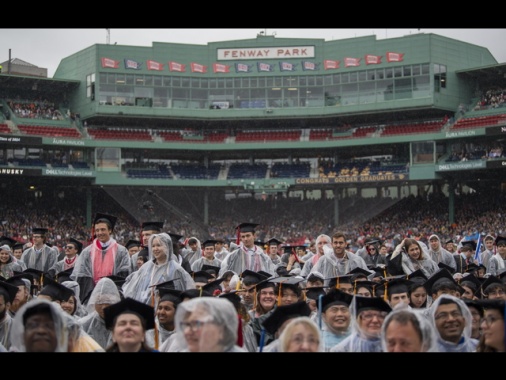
(103, 266)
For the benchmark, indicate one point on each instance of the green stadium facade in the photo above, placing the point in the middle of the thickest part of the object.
(401, 103)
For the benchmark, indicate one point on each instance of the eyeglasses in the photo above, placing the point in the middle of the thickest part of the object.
(446, 316)
(69, 247)
(267, 293)
(298, 339)
(194, 326)
(369, 316)
(489, 320)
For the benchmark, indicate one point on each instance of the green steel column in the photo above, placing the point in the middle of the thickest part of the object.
(206, 208)
(451, 203)
(88, 207)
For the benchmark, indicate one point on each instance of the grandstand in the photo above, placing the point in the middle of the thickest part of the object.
(273, 129)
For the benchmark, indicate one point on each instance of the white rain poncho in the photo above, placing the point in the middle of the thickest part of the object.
(466, 343)
(405, 314)
(140, 284)
(207, 324)
(59, 320)
(105, 292)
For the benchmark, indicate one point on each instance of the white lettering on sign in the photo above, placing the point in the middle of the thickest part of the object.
(266, 53)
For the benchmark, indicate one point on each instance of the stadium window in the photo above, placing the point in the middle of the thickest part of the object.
(90, 86)
(176, 82)
(406, 71)
(416, 69)
(204, 83)
(398, 72)
(167, 81)
(148, 80)
(362, 76)
(389, 73)
(221, 83)
(261, 81)
(353, 77)
(157, 80)
(129, 79)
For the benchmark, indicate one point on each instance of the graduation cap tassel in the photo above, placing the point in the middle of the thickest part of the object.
(385, 296)
(153, 305)
(320, 297)
(255, 298)
(238, 285)
(279, 294)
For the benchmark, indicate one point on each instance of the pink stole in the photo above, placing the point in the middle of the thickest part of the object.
(103, 267)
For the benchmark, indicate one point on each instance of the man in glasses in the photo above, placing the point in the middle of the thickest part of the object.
(72, 249)
(40, 256)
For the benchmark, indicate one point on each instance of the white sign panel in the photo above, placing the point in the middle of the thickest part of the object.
(266, 53)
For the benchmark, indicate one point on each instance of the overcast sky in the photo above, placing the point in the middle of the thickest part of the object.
(46, 47)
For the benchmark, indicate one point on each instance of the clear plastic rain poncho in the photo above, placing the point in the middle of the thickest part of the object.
(466, 343)
(59, 320)
(359, 340)
(105, 292)
(403, 313)
(79, 340)
(323, 244)
(207, 324)
(140, 285)
(80, 309)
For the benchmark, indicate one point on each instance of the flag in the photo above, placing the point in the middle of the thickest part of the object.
(477, 254)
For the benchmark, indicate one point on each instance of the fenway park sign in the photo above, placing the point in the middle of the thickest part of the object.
(266, 53)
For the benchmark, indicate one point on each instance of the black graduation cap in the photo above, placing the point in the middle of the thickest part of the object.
(502, 275)
(441, 275)
(259, 242)
(281, 271)
(448, 241)
(335, 281)
(233, 297)
(175, 237)
(17, 280)
(249, 277)
(490, 280)
(110, 220)
(368, 303)
(497, 304)
(10, 289)
(118, 280)
(35, 274)
(396, 285)
(315, 292)
(474, 303)
(468, 245)
(291, 281)
(132, 243)
(274, 241)
(247, 227)
(129, 305)
(55, 290)
(77, 243)
(447, 267)
(143, 253)
(211, 268)
(39, 230)
(471, 268)
(284, 313)
(336, 297)
(315, 277)
(213, 286)
(209, 243)
(500, 240)
(7, 240)
(64, 275)
(472, 282)
(359, 270)
(172, 295)
(163, 286)
(378, 271)
(371, 285)
(152, 226)
(267, 283)
(417, 274)
(265, 274)
(202, 276)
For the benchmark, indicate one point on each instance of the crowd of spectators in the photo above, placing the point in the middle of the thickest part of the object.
(35, 109)
(291, 220)
(477, 151)
(492, 98)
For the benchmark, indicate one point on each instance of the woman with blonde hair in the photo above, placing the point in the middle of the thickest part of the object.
(301, 334)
